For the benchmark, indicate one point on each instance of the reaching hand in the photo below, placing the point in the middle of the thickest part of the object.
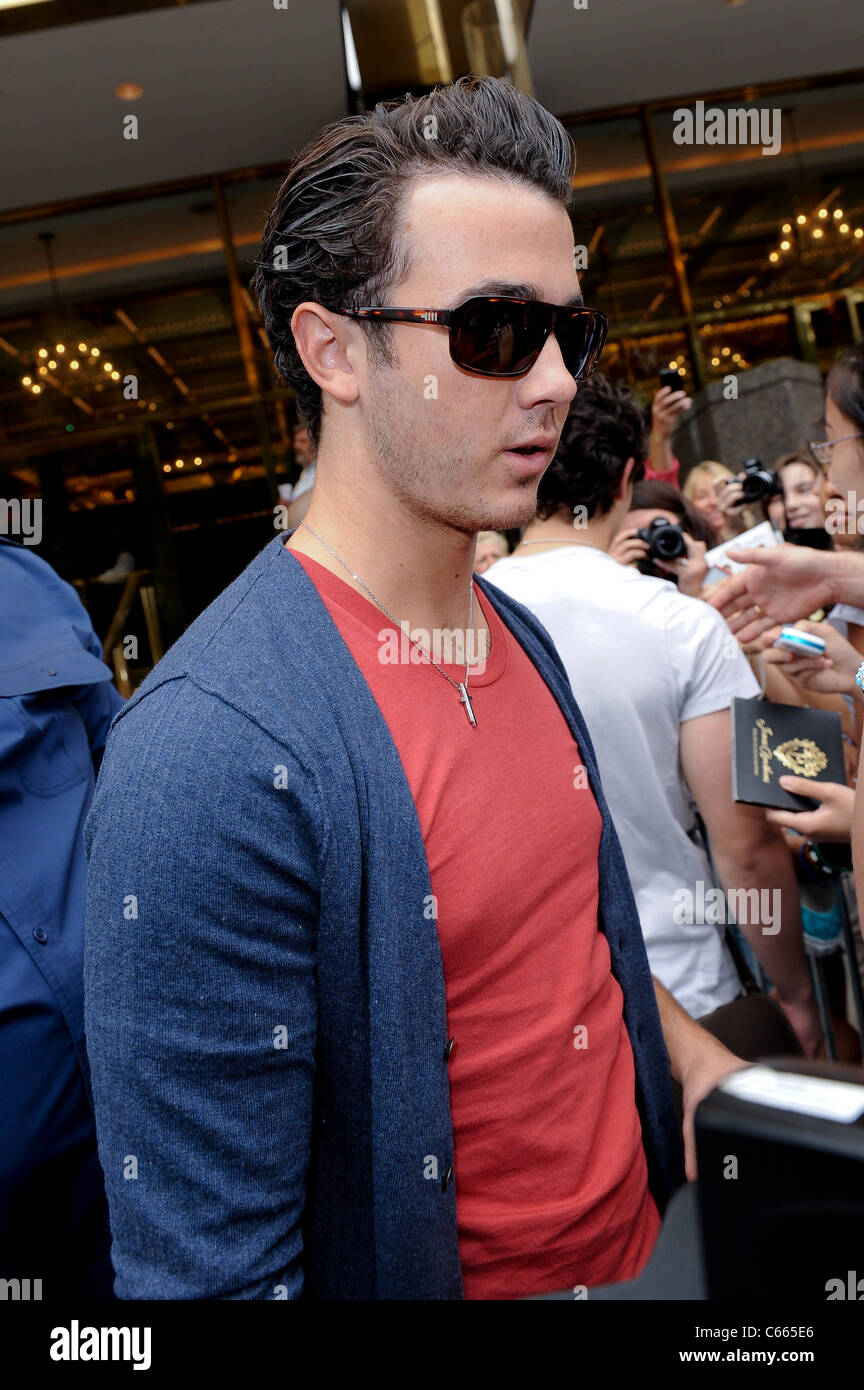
(781, 583)
(831, 674)
(666, 409)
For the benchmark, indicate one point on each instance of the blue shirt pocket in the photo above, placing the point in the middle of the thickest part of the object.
(50, 750)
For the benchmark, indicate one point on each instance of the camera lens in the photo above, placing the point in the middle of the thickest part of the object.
(753, 487)
(666, 542)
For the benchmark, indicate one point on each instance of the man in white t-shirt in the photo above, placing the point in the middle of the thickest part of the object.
(654, 673)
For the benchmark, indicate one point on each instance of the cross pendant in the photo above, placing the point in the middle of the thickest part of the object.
(466, 701)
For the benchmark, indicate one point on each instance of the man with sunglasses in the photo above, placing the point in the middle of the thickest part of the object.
(362, 1025)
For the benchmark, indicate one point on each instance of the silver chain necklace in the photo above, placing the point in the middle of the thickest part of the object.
(555, 541)
(460, 686)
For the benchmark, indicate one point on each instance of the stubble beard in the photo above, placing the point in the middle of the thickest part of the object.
(428, 481)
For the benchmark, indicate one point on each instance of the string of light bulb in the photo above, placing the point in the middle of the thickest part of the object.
(76, 365)
(824, 222)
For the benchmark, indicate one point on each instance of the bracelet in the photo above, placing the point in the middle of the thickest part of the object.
(812, 867)
(859, 677)
(835, 857)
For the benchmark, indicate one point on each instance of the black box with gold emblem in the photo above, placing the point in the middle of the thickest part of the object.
(769, 740)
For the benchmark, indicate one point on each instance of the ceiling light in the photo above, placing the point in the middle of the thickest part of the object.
(352, 67)
(858, 232)
(844, 227)
(817, 231)
(787, 227)
(784, 245)
(823, 212)
(838, 213)
(800, 219)
(129, 91)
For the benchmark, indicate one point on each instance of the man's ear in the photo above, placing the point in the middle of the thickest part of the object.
(328, 345)
(626, 485)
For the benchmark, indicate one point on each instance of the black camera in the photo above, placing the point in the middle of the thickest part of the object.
(664, 539)
(759, 483)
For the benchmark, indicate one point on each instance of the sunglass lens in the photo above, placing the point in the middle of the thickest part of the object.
(584, 336)
(497, 337)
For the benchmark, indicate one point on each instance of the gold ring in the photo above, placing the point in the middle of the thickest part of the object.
(757, 609)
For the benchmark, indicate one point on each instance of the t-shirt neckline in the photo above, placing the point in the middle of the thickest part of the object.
(338, 591)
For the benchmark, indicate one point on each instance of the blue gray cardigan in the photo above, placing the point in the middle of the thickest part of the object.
(265, 1006)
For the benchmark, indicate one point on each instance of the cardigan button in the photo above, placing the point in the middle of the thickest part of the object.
(40, 935)
(447, 1178)
(451, 1043)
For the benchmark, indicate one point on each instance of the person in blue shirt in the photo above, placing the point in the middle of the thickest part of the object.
(56, 703)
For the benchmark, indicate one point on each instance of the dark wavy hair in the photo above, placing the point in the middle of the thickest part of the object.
(605, 427)
(333, 235)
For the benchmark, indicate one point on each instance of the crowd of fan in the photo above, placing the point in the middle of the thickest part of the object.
(656, 650)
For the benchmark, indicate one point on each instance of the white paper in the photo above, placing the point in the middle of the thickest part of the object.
(806, 1095)
(763, 534)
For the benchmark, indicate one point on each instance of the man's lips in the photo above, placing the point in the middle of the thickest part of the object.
(536, 451)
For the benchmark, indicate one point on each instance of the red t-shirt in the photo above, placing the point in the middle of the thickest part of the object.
(549, 1165)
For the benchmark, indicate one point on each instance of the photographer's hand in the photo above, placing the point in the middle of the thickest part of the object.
(628, 548)
(689, 570)
(667, 408)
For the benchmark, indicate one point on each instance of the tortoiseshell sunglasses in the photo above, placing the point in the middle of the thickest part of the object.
(494, 336)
